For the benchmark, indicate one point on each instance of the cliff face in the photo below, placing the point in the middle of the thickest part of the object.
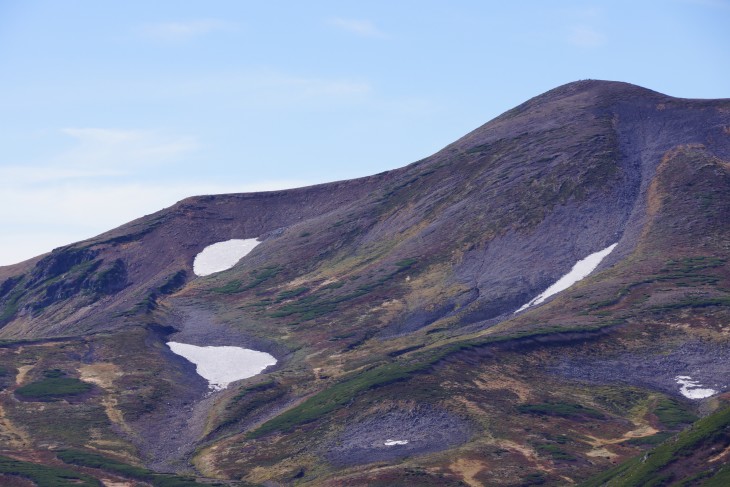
(411, 278)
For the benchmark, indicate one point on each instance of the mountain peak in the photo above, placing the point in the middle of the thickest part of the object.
(555, 282)
(600, 86)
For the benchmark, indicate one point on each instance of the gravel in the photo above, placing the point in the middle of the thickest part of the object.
(707, 363)
(381, 437)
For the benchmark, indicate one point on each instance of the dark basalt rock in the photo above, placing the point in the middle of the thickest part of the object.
(110, 280)
(9, 284)
(426, 428)
(59, 262)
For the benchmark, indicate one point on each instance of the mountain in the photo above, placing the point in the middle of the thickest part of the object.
(394, 305)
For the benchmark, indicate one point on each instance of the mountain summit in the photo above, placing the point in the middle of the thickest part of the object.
(542, 299)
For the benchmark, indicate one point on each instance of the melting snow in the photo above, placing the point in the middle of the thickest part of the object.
(693, 389)
(395, 442)
(222, 255)
(222, 365)
(580, 270)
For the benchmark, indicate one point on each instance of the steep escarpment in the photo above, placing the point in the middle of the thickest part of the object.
(391, 303)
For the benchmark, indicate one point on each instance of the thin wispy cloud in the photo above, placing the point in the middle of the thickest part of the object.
(360, 27)
(184, 30)
(30, 175)
(98, 153)
(271, 89)
(102, 148)
(586, 37)
(98, 184)
(36, 219)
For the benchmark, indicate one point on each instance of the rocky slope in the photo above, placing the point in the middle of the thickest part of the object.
(390, 303)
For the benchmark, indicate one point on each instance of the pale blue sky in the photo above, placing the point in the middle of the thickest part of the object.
(112, 110)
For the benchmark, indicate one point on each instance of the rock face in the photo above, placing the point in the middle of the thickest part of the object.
(389, 302)
(418, 431)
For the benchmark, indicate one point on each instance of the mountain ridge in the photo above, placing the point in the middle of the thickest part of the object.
(390, 303)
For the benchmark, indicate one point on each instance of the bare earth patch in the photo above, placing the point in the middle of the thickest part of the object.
(103, 375)
(468, 469)
(22, 374)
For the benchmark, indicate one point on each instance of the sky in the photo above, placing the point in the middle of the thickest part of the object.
(114, 110)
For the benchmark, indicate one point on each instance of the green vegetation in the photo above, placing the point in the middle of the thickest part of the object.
(147, 304)
(230, 287)
(334, 397)
(249, 400)
(680, 272)
(85, 459)
(620, 399)
(534, 479)
(624, 291)
(720, 479)
(111, 279)
(652, 440)
(316, 305)
(9, 284)
(690, 265)
(44, 476)
(604, 478)
(672, 414)
(307, 308)
(258, 275)
(663, 465)
(403, 351)
(333, 285)
(11, 303)
(174, 283)
(381, 375)
(291, 294)
(62, 261)
(64, 275)
(693, 302)
(554, 451)
(53, 387)
(561, 409)
(261, 386)
(406, 263)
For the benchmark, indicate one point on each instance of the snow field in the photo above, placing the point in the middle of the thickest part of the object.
(693, 389)
(222, 256)
(222, 365)
(580, 270)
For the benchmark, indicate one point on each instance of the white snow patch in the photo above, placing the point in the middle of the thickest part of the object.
(395, 442)
(693, 389)
(580, 270)
(222, 255)
(222, 365)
